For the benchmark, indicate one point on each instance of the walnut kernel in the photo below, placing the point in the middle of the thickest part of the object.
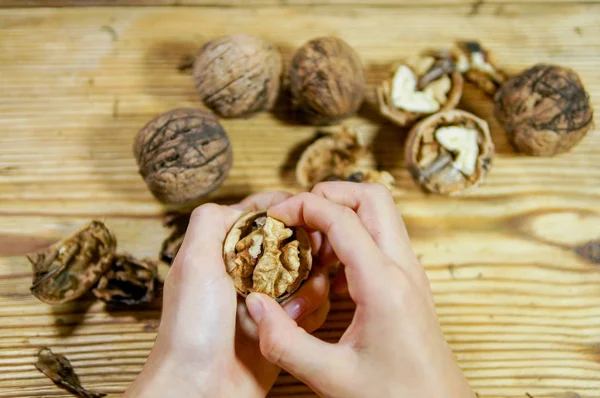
(237, 75)
(327, 80)
(478, 66)
(449, 152)
(183, 155)
(545, 110)
(420, 87)
(262, 255)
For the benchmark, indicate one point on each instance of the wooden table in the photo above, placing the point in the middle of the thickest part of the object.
(518, 304)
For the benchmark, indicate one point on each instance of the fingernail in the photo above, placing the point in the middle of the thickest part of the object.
(255, 307)
(295, 308)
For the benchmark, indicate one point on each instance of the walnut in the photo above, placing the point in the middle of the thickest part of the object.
(178, 223)
(339, 156)
(545, 110)
(129, 281)
(478, 66)
(237, 75)
(183, 155)
(327, 80)
(418, 88)
(68, 269)
(449, 152)
(263, 255)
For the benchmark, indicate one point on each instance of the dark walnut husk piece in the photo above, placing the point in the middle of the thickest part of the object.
(449, 152)
(262, 255)
(418, 88)
(129, 282)
(327, 80)
(59, 370)
(478, 66)
(183, 155)
(339, 157)
(238, 75)
(545, 110)
(178, 222)
(68, 269)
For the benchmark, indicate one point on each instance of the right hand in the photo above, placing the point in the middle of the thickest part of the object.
(394, 346)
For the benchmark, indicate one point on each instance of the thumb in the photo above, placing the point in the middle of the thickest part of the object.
(285, 344)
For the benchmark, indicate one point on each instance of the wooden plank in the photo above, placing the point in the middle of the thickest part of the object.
(475, 4)
(519, 307)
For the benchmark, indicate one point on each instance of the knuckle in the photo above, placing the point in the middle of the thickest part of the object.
(377, 190)
(347, 212)
(205, 210)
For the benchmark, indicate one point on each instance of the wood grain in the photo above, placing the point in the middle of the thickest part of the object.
(518, 298)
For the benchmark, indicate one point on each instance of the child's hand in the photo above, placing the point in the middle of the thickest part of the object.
(207, 344)
(394, 346)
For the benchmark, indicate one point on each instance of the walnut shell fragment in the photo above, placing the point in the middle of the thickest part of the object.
(420, 87)
(68, 269)
(237, 75)
(449, 152)
(327, 80)
(178, 222)
(478, 66)
(545, 110)
(339, 157)
(58, 369)
(262, 255)
(183, 155)
(129, 282)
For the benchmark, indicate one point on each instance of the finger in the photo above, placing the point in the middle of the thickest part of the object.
(310, 297)
(261, 200)
(285, 344)
(315, 320)
(350, 241)
(377, 211)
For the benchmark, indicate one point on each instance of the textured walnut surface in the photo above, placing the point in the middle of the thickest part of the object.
(327, 80)
(183, 155)
(435, 167)
(129, 281)
(263, 255)
(238, 74)
(68, 269)
(545, 110)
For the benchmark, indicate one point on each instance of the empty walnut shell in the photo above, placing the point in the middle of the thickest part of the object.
(545, 110)
(68, 269)
(434, 81)
(327, 80)
(237, 75)
(128, 282)
(262, 255)
(449, 152)
(183, 155)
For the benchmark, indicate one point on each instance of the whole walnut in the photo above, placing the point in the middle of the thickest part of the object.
(183, 155)
(327, 80)
(237, 75)
(545, 110)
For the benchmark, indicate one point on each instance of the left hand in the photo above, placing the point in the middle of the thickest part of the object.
(207, 344)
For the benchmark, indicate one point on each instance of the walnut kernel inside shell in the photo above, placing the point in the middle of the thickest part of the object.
(262, 255)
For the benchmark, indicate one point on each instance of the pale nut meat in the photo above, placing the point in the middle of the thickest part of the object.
(478, 66)
(341, 156)
(420, 87)
(262, 255)
(545, 110)
(449, 152)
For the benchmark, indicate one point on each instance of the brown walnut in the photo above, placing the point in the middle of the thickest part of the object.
(339, 157)
(449, 152)
(68, 269)
(327, 80)
(183, 155)
(262, 255)
(129, 281)
(237, 75)
(545, 110)
(420, 87)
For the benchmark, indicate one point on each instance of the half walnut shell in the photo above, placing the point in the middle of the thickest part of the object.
(449, 152)
(262, 255)
(418, 88)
